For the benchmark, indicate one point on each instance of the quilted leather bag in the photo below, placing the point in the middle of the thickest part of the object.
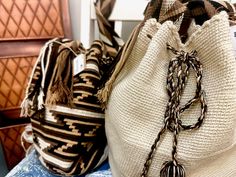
(171, 110)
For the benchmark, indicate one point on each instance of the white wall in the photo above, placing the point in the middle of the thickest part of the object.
(75, 9)
(75, 6)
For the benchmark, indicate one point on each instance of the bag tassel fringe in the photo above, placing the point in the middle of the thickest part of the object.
(172, 169)
(59, 93)
(26, 107)
(104, 93)
(60, 88)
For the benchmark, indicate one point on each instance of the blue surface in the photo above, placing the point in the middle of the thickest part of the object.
(3, 166)
(31, 167)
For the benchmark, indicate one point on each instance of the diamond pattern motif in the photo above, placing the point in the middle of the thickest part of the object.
(14, 76)
(30, 19)
(11, 141)
(22, 20)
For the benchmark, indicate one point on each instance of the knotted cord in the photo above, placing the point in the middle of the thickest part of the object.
(177, 77)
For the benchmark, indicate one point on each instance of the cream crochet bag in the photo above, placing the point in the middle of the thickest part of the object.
(137, 104)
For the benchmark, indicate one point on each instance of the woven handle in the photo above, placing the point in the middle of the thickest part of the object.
(153, 9)
(205, 8)
(110, 38)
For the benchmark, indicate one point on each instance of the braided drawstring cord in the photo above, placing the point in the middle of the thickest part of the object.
(177, 78)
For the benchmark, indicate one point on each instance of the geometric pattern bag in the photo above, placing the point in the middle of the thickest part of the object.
(66, 117)
(149, 114)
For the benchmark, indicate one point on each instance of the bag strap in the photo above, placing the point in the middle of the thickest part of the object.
(110, 38)
(153, 9)
(164, 10)
(198, 10)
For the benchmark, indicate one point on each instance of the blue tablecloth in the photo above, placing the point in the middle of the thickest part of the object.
(30, 166)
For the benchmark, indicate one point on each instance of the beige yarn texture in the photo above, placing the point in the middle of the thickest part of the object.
(136, 107)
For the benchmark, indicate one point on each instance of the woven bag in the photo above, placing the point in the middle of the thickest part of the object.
(171, 111)
(66, 116)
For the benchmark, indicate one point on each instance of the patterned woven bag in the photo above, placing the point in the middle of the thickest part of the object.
(66, 116)
(69, 128)
(171, 110)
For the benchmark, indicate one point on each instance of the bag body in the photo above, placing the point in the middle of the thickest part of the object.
(137, 104)
(67, 119)
(66, 116)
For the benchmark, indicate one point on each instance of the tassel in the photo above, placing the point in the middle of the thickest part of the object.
(104, 93)
(26, 106)
(41, 100)
(172, 169)
(60, 87)
(59, 94)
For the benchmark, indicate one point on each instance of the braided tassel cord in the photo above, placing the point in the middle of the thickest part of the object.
(177, 78)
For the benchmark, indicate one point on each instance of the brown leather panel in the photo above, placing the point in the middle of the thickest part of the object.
(21, 48)
(65, 15)
(11, 141)
(30, 19)
(14, 76)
